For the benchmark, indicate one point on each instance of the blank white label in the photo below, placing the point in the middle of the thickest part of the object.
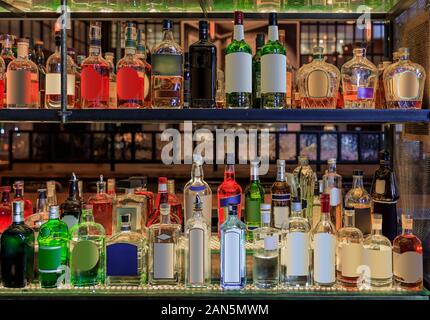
(351, 257)
(196, 251)
(380, 186)
(232, 256)
(324, 258)
(297, 254)
(280, 214)
(335, 197)
(318, 84)
(273, 73)
(238, 72)
(408, 266)
(164, 260)
(379, 262)
(53, 84)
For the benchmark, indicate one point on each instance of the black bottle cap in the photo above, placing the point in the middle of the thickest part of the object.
(232, 209)
(42, 193)
(273, 19)
(167, 24)
(384, 155)
(260, 40)
(203, 25)
(125, 218)
(357, 173)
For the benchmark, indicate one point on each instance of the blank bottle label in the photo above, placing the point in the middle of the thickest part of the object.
(164, 258)
(196, 251)
(130, 84)
(53, 84)
(335, 197)
(380, 186)
(324, 258)
(379, 262)
(280, 215)
(167, 65)
(238, 72)
(85, 256)
(70, 220)
(121, 260)
(351, 257)
(318, 84)
(49, 259)
(18, 87)
(408, 266)
(297, 254)
(406, 86)
(232, 257)
(273, 73)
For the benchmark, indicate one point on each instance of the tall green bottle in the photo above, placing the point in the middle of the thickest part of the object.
(256, 71)
(254, 197)
(53, 243)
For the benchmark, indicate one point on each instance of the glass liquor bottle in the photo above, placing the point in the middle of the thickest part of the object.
(404, 83)
(380, 102)
(53, 79)
(254, 197)
(198, 186)
(281, 196)
(385, 194)
(167, 81)
(289, 71)
(266, 252)
(306, 178)
(408, 257)
(203, 70)
(18, 187)
(22, 79)
(130, 78)
(349, 251)
(359, 81)
(220, 89)
(318, 83)
(323, 241)
(51, 194)
(2, 79)
(35, 220)
(149, 195)
(378, 257)
(229, 192)
(79, 60)
(187, 80)
(17, 250)
(256, 71)
(95, 73)
(53, 243)
(102, 206)
(126, 254)
(238, 68)
(163, 259)
(198, 251)
(273, 69)
(72, 207)
(175, 204)
(359, 199)
(113, 102)
(162, 197)
(5, 209)
(141, 54)
(233, 253)
(111, 187)
(333, 187)
(295, 265)
(87, 251)
(133, 205)
(7, 56)
(39, 60)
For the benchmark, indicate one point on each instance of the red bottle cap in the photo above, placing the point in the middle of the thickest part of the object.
(325, 202)
(238, 17)
(162, 180)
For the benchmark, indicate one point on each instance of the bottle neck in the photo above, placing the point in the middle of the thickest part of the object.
(239, 32)
(168, 35)
(332, 168)
(19, 193)
(357, 182)
(87, 216)
(376, 232)
(229, 173)
(130, 51)
(165, 218)
(254, 174)
(273, 33)
(95, 49)
(349, 220)
(125, 227)
(265, 219)
(197, 172)
(73, 190)
(203, 34)
(23, 51)
(101, 187)
(280, 174)
(42, 205)
(318, 57)
(5, 197)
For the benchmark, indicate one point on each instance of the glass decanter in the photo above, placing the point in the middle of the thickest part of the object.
(305, 179)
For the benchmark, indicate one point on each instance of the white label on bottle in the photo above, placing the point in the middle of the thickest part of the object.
(318, 84)
(232, 256)
(53, 84)
(380, 186)
(280, 215)
(70, 220)
(271, 243)
(380, 262)
(408, 266)
(196, 251)
(273, 73)
(207, 206)
(113, 103)
(297, 254)
(284, 255)
(335, 197)
(324, 258)
(406, 85)
(238, 72)
(164, 260)
(351, 257)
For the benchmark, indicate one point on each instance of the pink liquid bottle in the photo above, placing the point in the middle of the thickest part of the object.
(5, 209)
(102, 206)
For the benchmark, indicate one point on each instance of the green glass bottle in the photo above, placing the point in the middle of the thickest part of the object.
(256, 71)
(87, 251)
(17, 250)
(254, 197)
(273, 69)
(53, 243)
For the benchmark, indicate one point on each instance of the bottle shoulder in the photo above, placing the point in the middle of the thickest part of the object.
(168, 47)
(18, 229)
(359, 63)
(273, 47)
(87, 229)
(350, 234)
(237, 46)
(233, 223)
(129, 61)
(95, 60)
(376, 241)
(404, 66)
(23, 64)
(126, 237)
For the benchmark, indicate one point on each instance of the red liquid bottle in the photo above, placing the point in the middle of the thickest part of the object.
(229, 192)
(5, 209)
(2, 76)
(175, 204)
(18, 186)
(143, 191)
(102, 206)
(162, 197)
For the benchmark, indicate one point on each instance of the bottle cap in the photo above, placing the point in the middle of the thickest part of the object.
(203, 25)
(41, 193)
(331, 161)
(273, 19)
(23, 40)
(167, 24)
(130, 35)
(18, 211)
(125, 218)
(280, 163)
(384, 156)
(357, 173)
(261, 37)
(318, 50)
(54, 212)
(238, 17)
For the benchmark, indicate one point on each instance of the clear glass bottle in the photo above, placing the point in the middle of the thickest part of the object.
(254, 197)
(198, 249)
(51, 193)
(35, 220)
(175, 204)
(130, 78)
(233, 253)
(141, 54)
(162, 197)
(281, 197)
(256, 71)
(378, 257)
(135, 206)
(5, 209)
(295, 262)
(102, 206)
(111, 187)
(289, 71)
(333, 187)
(305, 178)
(53, 79)
(39, 60)
(198, 186)
(7, 55)
(220, 89)
(95, 73)
(87, 251)
(408, 257)
(167, 81)
(72, 206)
(359, 199)
(18, 187)
(323, 241)
(113, 101)
(404, 83)
(349, 255)
(163, 258)
(238, 68)
(318, 83)
(359, 81)
(22, 79)
(126, 258)
(266, 252)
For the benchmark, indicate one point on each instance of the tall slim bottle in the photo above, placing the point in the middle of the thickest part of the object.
(333, 187)
(110, 59)
(254, 197)
(162, 197)
(18, 187)
(5, 209)
(39, 60)
(256, 71)
(2, 80)
(142, 55)
(102, 206)
(35, 220)
(7, 56)
(72, 207)
(281, 197)
(306, 179)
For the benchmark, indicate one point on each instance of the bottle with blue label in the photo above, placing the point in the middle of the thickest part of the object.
(126, 256)
(233, 254)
